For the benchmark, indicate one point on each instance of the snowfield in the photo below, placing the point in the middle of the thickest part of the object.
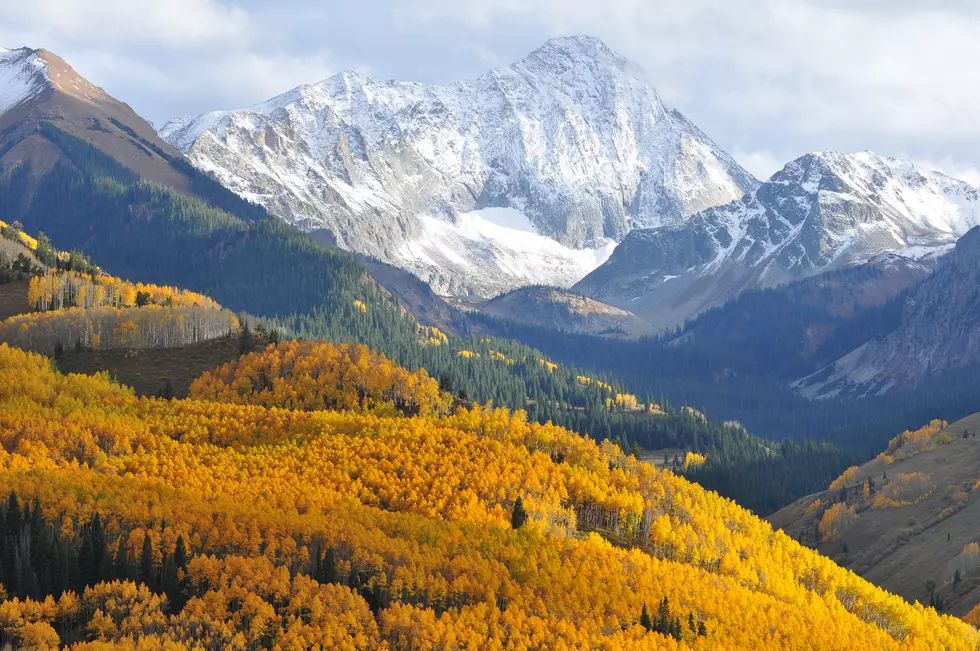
(22, 76)
(496, 243)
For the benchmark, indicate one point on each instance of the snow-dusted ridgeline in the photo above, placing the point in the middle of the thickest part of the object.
(23, 76)
(573, 136)
(821, 212)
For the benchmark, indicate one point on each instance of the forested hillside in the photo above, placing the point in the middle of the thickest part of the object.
(71, 304)
(738, 361)
(134, 521)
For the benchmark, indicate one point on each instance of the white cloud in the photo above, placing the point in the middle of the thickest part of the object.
(174, 23)
(768, 79)
(761, 164)
(167, 57)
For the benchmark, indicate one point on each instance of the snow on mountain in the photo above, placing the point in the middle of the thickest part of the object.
(23, 76)
(939, 332)
(573, 136)
(494, 247)
(821, 212)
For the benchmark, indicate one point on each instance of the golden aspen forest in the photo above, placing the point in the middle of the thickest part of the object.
(374, 516)
(76, 305)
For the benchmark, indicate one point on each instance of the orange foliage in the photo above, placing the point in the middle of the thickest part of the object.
(413, 513)
(908, 443)
(57, 290)
(835, 519)
(312, 375)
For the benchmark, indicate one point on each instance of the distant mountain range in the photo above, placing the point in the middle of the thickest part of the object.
(573, 139)
(820, 213)
(554, 160)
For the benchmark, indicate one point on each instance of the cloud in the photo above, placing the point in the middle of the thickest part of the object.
(175, 23)
(761, 164)
(768, 79)
(168, 58)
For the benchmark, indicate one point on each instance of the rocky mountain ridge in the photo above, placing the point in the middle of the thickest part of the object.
(821, 212)
(939, 332)
(573, 137)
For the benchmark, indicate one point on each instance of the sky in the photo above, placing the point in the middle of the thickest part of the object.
(768, 80)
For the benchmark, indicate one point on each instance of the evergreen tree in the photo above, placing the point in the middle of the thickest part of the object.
(147, 570)
(518, 517)
(645, 620)
(180, 554)
(93, 554)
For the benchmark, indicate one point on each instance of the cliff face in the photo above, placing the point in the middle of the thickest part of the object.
(939, 331)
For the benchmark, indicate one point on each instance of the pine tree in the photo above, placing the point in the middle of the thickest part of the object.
(247, 343)
(147, 569)
(645, 620)
(518, 517)
(180, 554)
(663, 624)
(93, 554)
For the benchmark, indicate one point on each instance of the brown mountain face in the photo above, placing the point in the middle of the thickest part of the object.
(76, 106)
(912, 532)
(559, 309)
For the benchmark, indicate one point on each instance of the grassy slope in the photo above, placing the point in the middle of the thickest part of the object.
(13, 299)
(903, 548)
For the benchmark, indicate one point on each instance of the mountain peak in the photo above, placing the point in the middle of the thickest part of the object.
(822, 211)
(23, 76)
(572, 138)
(581, 56)
(582, 43)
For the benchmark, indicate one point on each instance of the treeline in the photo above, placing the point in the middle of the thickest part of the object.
(64, 289)
(150, 326)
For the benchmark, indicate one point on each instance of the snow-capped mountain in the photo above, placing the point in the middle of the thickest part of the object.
(821, 212)
(573, 137)
(38, 88)
(23, 76)
(939, 331)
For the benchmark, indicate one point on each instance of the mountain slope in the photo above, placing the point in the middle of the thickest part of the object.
(573, 137)
(42, 89)
(819, 213)
(36, 85)
(557, 309)
(913, 531)
(938, 332)
(366, 529)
